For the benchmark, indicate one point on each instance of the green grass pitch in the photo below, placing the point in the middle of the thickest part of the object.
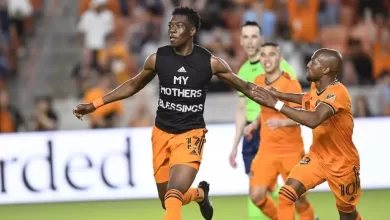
(374, 205)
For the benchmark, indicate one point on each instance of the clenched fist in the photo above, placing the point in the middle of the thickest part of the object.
(83, 109)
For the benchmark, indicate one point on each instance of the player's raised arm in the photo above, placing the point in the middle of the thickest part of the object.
(290, 97)
(307, 118)
(221, 69)
(125, 90)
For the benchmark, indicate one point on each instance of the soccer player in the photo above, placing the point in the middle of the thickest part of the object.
(184, 71)
(333, 156)
(280, 148)
(248, 110)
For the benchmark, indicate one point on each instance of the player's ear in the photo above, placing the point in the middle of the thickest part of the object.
(193, 32)
(327, 70)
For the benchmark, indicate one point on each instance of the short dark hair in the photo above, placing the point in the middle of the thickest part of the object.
(272, 44)
(252, 23)
(192, 15)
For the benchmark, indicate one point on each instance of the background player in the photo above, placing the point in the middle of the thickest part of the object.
(280, 149)
(333, 156)
(184, 71)
(248, 110)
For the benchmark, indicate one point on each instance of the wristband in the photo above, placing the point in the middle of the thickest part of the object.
(279, 105)
(97, 103)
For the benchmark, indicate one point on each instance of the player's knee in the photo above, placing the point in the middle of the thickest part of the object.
(258, 194)
(302, 203)
(287, 195)
(178, 187)
(301, 200)
(347, 212)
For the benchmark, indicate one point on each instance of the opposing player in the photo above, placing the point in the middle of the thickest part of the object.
(333, 156)
(184, 71)
(281, 148)
(248, 110)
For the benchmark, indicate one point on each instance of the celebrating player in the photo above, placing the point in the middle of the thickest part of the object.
(184, 71)
(281, 146)
(248, 110)
(333, 156)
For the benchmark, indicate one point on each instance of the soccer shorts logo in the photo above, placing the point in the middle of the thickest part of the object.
(197, 147)
(305, 160)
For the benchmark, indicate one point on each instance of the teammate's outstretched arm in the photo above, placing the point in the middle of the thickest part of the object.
(125, 90)
(221, 69)
(307, 118)
(290, 97)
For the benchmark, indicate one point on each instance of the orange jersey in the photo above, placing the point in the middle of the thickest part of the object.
(332, 140)
(286, 140)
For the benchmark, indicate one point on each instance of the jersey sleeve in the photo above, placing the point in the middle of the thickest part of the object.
(294, 87)
(336, 98)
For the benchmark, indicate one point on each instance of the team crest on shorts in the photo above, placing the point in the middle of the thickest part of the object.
(305, 160)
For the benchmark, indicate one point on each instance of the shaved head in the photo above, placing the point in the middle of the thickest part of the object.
(325, 62)
(331, 59)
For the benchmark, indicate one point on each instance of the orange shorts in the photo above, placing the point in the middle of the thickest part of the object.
(266, 168)
(171, 149)
(346, 189)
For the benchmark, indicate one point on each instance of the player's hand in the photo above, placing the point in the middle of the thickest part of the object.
(272, 90)
(83, 109)
(264, 97)
(232, 158)
(248, 131)
(275, 123)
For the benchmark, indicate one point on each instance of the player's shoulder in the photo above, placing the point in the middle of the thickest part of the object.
(338, 88)
(286, 78)
(201, 50)
(260, 80)
(164, 50)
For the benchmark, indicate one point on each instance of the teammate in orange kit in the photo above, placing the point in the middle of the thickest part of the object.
(333, 156)
(281, 147)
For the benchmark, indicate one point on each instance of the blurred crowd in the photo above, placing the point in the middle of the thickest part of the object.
(117, 36)
(17, 19)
